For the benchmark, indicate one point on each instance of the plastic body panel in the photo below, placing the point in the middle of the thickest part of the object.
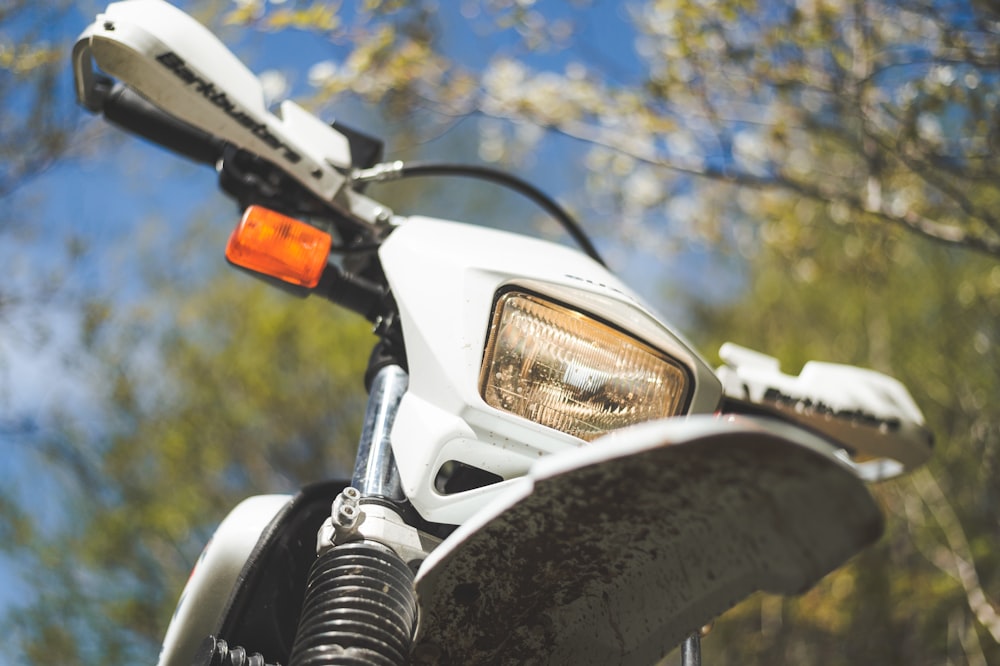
(182, 68)
(444, 276)
(200, 609)
(869, 413)
(248, 585)
(612, 554)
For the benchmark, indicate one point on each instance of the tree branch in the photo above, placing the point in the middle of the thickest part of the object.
(643, 151)
(961, 554)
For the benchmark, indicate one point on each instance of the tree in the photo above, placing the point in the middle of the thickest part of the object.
(35, 118)
(882, 111)
(212, 395)
(926, 593)
(811, 149)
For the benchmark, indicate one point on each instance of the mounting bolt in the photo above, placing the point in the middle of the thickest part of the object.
(345, 511)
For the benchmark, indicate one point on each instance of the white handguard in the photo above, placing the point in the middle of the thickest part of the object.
(871, 415)
(177, 64)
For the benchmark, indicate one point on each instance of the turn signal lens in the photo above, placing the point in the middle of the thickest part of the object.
(271, 243)
(566, 370)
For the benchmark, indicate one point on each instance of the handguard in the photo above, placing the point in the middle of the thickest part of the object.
(871, 415)
(180, 67)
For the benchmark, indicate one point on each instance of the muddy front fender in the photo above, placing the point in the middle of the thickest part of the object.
(613, 553)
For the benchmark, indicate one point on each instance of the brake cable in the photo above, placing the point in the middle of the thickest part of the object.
(398, 170)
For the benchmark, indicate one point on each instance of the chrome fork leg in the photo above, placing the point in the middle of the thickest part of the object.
(691, 650)
(338, 622)
(375, 472)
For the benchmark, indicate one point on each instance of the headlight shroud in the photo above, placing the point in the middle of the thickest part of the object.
(568, 370)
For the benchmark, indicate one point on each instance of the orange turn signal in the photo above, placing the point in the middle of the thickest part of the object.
(271, 243)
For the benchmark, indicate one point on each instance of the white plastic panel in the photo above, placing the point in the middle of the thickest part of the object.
(869, 413)
(182, 68)
(613, 554)
(444, 276)
(199, 609)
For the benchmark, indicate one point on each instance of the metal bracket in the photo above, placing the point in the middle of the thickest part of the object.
(352, 519)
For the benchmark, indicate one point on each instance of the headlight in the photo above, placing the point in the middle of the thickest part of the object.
(567, 370)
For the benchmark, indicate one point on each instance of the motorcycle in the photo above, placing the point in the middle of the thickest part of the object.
(547, 472)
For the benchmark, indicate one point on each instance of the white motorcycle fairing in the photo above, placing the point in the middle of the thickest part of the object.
(445, 277)
(614, 553)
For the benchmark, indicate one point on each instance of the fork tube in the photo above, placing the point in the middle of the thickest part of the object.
(691, 650)
(375, 471)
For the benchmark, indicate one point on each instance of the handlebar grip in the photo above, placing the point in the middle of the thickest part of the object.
(133, 112)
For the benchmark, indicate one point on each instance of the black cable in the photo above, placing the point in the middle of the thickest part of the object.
(356, 248)
(416, 169)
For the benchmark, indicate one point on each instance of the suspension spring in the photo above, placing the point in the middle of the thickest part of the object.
(360, 608)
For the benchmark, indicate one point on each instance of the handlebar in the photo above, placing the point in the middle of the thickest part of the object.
(131, 111)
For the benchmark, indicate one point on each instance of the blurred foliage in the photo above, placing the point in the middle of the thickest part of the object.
(210, 396)
(930, 316)
(840, 157)
(884, 111)
(35, 118)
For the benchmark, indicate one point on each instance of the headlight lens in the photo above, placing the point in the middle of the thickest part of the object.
(569, 371)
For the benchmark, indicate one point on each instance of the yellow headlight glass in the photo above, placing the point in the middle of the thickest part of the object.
(566, 370)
